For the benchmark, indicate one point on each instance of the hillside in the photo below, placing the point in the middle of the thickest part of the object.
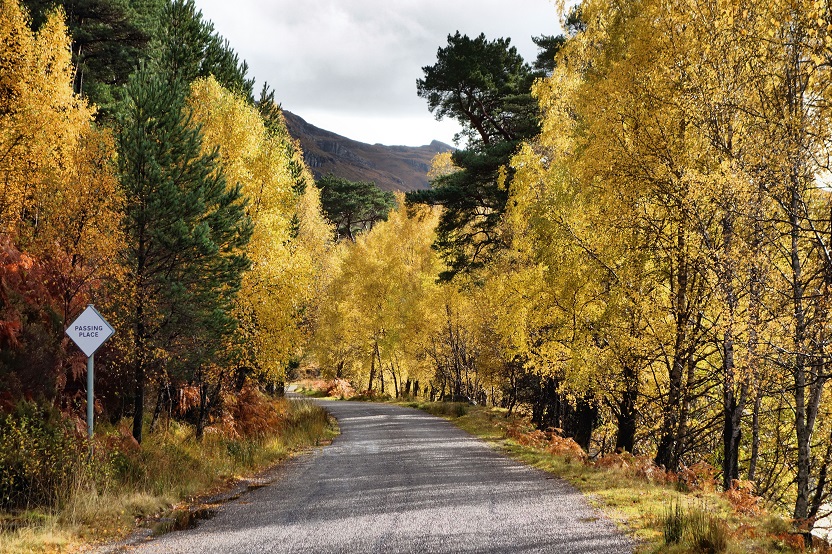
(393, 168)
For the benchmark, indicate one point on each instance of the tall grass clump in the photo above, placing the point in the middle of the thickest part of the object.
(708, 534)
(673, 523)
(695, 528)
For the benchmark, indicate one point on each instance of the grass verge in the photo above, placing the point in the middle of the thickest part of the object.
(664, 513)
(132, 484)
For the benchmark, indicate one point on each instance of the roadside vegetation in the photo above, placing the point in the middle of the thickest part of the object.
(633, 245)
(681, 512)
(676, 512)
(66, 499)
(140, 173)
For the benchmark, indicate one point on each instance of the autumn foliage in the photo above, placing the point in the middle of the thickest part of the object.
(645, 275)
(57, 210)
(196, 231)
(659, 281)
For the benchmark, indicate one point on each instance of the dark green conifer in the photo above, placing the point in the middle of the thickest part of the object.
(187, 47)
(486, 86)
(185, 231)
(353, 206)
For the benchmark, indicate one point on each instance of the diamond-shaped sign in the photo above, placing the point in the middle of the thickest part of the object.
(89, 331)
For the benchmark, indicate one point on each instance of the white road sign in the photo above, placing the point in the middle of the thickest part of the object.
(89, 331)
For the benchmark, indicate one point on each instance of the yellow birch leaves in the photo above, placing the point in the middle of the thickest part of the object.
(289, 246)
(58, 193)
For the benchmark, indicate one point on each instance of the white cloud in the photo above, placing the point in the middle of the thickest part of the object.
(354, 64)
(388, 130)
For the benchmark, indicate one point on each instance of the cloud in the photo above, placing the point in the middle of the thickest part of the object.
(360, 59)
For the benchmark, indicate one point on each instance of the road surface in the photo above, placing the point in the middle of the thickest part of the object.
(400, 480)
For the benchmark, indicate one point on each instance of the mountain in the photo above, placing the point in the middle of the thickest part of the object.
(393, 168)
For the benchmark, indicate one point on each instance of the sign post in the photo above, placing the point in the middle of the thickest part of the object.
(89, 331)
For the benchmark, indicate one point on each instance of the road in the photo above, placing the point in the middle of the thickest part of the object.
(400, 480)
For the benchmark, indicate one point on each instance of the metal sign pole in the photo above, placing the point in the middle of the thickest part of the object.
(89, 331)
(90, 396)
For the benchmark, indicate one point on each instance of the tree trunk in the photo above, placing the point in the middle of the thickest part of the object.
(682, 440)
(584, 417)
(207, 402)
(667, 443)
(203, 411)
(140, 338)
(161, 399)
(138, 396)
(380, 368)
(755, 275)
(372, 368)
(802, 429)
(138, 402)
(755, 433)
(626, 412)
(241, 372)
(733, 407)
(668, 449)
(733, 404)
(820, 487)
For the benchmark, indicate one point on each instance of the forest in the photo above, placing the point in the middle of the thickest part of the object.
(639, 258)
(141, 175)
(633, 244)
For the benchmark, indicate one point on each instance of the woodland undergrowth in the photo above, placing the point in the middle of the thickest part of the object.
(678, 512)
(55, 497)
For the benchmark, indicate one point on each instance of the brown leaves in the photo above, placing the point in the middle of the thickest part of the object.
(254, 414)
(551, 441)
(742, 498)
(21, 282)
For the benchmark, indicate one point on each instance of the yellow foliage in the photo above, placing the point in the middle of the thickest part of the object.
(441, 165)
(290, 245)
(379, 303)
(59, 197)
(670, 224)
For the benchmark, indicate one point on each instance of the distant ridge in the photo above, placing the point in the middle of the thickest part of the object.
(393, 168)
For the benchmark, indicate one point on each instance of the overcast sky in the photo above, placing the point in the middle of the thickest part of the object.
(350, 66)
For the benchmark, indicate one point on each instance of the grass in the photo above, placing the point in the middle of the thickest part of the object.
(639, 498)
(170, 470)
(315, 388)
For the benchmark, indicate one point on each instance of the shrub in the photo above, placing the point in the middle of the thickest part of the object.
(40, 456)
(551, 441)
(253, 414)
(339, 388)
(742, 498)
(640, 467)
(701, 476)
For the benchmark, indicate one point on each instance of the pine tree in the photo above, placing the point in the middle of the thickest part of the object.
(486, 86)
(187, 47)
(353, 206)
(185, 230)
(109, 37)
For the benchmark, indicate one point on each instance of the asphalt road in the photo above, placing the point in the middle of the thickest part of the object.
(400, 480)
